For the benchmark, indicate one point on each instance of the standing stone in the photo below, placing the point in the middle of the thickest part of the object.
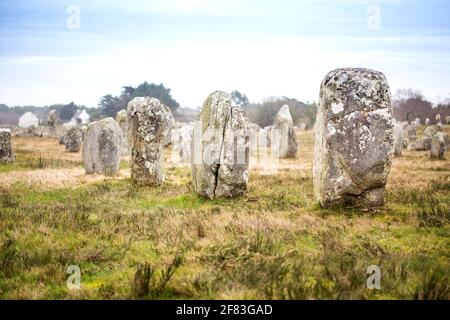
(421, 144)
(220, 149)
(354, 141)
(73, 139)
(284, 133)
(405, 133)
(182, 141)
(438, 118)
(429, 132)
(411, 131)
(6, 154)
(52, 119)
(417, 121)
(102, 147)
(427, 122)
(169, 136)
(148, 123)
(28, 120)
(121, 119)
(254, 135)
(438, 145)
(447, 119)
(398, 138)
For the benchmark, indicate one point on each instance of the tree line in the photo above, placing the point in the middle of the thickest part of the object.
(408, 105)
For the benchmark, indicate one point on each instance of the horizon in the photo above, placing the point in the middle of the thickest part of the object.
(58, 51)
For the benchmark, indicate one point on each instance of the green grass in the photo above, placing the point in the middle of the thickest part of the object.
(272, 243)
(24, 160)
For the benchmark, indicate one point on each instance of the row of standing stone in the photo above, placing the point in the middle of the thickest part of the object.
(354, 141)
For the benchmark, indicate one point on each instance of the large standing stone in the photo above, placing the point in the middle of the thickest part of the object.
(354, 141)
(438, 145)
(447, 119)
(102, 147)
(6, 154)
(73, 139)
(220, 148)
(438, 118)
(398, 138)
(149, 122)
(284, 136)
(121, 119)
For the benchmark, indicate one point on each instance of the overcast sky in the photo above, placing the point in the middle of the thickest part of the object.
(260, 47)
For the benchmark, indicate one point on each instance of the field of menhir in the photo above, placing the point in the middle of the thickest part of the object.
(145, 207)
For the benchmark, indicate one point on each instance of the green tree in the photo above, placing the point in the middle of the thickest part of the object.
(68, 111)
(239, 99)
(109, 105)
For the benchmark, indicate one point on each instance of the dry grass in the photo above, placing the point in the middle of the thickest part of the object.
(274, 242)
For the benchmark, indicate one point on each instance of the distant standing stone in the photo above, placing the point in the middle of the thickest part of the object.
(438, 145)
(398, 138)
(6, 154)
(284, 133)
(427, 122)
(149, 122)
(421, 144)
(52, 119)
(73, 139)
(438, 118)
(102, 147)
(182, 141)
(121, 119)
(354, 141)
(220, 149)
(429, 132)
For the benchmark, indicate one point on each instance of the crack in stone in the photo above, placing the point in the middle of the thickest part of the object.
(216, 172)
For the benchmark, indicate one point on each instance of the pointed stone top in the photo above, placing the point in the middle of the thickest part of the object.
(284, 115)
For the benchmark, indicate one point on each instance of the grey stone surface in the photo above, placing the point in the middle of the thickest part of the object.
(149, 122)
(437, 149)
(220, 149)
(52, 119)
(354, 142)
(102, 147)
(181, 137)
(121, 119)
(284, 134)
(73, 139)
(429, 132)
(398, 138)
(438, 118)
(6, 154)
(447, 119)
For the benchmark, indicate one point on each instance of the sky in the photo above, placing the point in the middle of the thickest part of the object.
(62, 51)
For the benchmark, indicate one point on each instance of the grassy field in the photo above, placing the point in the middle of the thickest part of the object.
(274, 242)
